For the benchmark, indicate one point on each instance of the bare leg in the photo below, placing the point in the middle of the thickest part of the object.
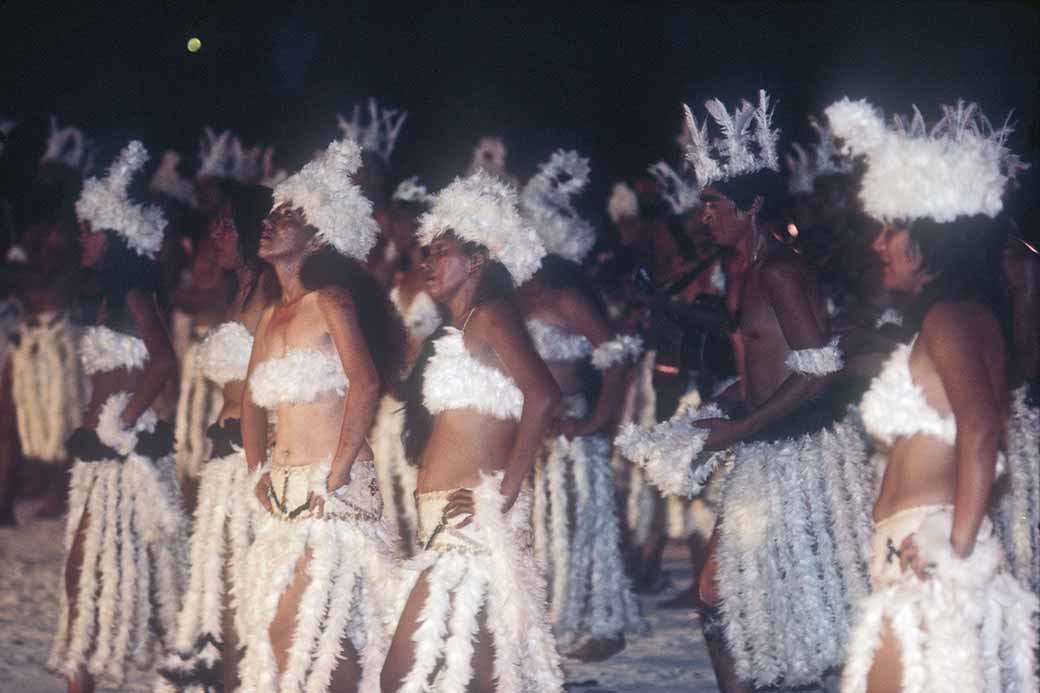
(886, 673)
(483, 659)
(346, 677)
(401, 655)
(721, 661)
(284, 624)
(690, 598)
(55, 492)
(82, 682)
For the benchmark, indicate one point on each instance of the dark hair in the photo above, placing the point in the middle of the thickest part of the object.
(495, 284)
(964, 257)
(560, 273)
(744, 189)
(382, 328)
(122, 270)
(250, 204)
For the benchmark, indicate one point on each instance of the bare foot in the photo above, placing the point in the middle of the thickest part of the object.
(597, 649)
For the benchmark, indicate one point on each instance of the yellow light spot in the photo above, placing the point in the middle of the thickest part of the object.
(194, 45)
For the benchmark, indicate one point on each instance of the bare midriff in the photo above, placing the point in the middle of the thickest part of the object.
(921, 470)
(463, 443)
(309, 433)
(103, 386)
(234, 392)
(568, 375)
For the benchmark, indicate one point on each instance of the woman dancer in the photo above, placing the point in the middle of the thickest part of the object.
(591, 596)
(208, 627)
(474, 617)
(123, 567)
(321, 561)
(945, 613)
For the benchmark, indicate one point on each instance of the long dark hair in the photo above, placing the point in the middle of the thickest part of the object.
(382, 328)
(495, 284)
(121, 270)
(249, 205)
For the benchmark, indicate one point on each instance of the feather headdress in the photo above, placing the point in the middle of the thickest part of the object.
(331, 201)
(680, 194)
(804, 167)
(379, 134)
(546, 204)
(105, 204)
(223, 156)
(748, 143)
(269, 175)
(68, 146)
(168, 181)
(482, 209)
(623, 203)
(959, 167)
(411, 190)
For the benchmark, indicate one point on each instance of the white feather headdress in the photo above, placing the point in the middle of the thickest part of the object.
(804, 167)
(959, 167)
(680, 194)
(623, 203)
(411, 190)
(482, 209)
(223, 156)
(379, 134)
(168, 181)
(748, 143)
(269, 175)
(68, 146)
(331, 201)
(546, 204)
(105, 204)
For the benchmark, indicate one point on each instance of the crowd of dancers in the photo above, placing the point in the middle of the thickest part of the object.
(317, 432)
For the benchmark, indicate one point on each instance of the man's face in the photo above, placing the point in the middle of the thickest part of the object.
(726, 224)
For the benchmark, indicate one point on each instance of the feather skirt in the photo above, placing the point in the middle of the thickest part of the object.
(1018, 514)
(133, 566)
(221, 534)
(485, 567)
(967, 628)
(793, 549)
(396, 476)
(198, 405)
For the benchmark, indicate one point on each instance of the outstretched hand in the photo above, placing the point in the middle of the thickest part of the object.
(724, 432)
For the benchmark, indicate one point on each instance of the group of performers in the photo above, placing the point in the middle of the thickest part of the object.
(319, 437)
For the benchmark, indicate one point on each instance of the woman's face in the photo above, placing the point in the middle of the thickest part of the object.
(900, 261)
(93, 244)
(224, 235)
(285, 234)
(445, 267)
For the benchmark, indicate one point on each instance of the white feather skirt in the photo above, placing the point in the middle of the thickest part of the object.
(968, 628)
(199, 402)
(48, 386)
(133, 566)
(1018, 515)
(221, 535)
(793, 548)
(396, 476)
(352, 584)
(580, 548)
(485, 567)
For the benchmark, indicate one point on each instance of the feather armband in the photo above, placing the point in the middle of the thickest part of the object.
(669, 450)
(624, 347)
(816, 362)
(113, 432)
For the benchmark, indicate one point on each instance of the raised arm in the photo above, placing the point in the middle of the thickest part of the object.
(337, 309)
(254, 418)
(500, 327)
(952, 337)
(161, 363)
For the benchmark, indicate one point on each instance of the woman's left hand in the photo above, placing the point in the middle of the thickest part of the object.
(724, 432)
(460, 502)
(910, 557)
(315, 505)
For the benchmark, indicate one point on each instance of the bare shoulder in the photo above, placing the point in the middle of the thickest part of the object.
(783, 268)
(494, 317)
(960, 324)
(573, 302)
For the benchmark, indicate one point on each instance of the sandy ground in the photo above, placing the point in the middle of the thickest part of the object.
(672, 659)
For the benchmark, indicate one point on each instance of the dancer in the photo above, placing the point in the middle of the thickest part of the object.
(481, 400)
(945, 613)
(321, 562)
(125, 531)
(786, 560)
(592, 605)
(210, 623)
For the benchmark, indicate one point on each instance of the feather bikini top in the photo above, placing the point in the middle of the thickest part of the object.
(102, 349)
(454, 379)
(557, 344)
(421, 318)
(895, 406)
(299, 377)
(224, 354)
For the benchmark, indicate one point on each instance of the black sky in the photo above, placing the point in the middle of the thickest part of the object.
(604, 77)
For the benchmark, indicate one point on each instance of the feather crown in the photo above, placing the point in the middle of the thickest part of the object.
(105, 204)
(168, 181)
(223, 156)
(411, 190)
(748, 143)
(824, 159)
(482, 209)
(681, 195)
(960, 166)
(545, 203)
(331, 201)
(68, 146)
(379, 134)
(623, 203)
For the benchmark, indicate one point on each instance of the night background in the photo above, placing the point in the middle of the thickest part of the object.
(606, 78)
